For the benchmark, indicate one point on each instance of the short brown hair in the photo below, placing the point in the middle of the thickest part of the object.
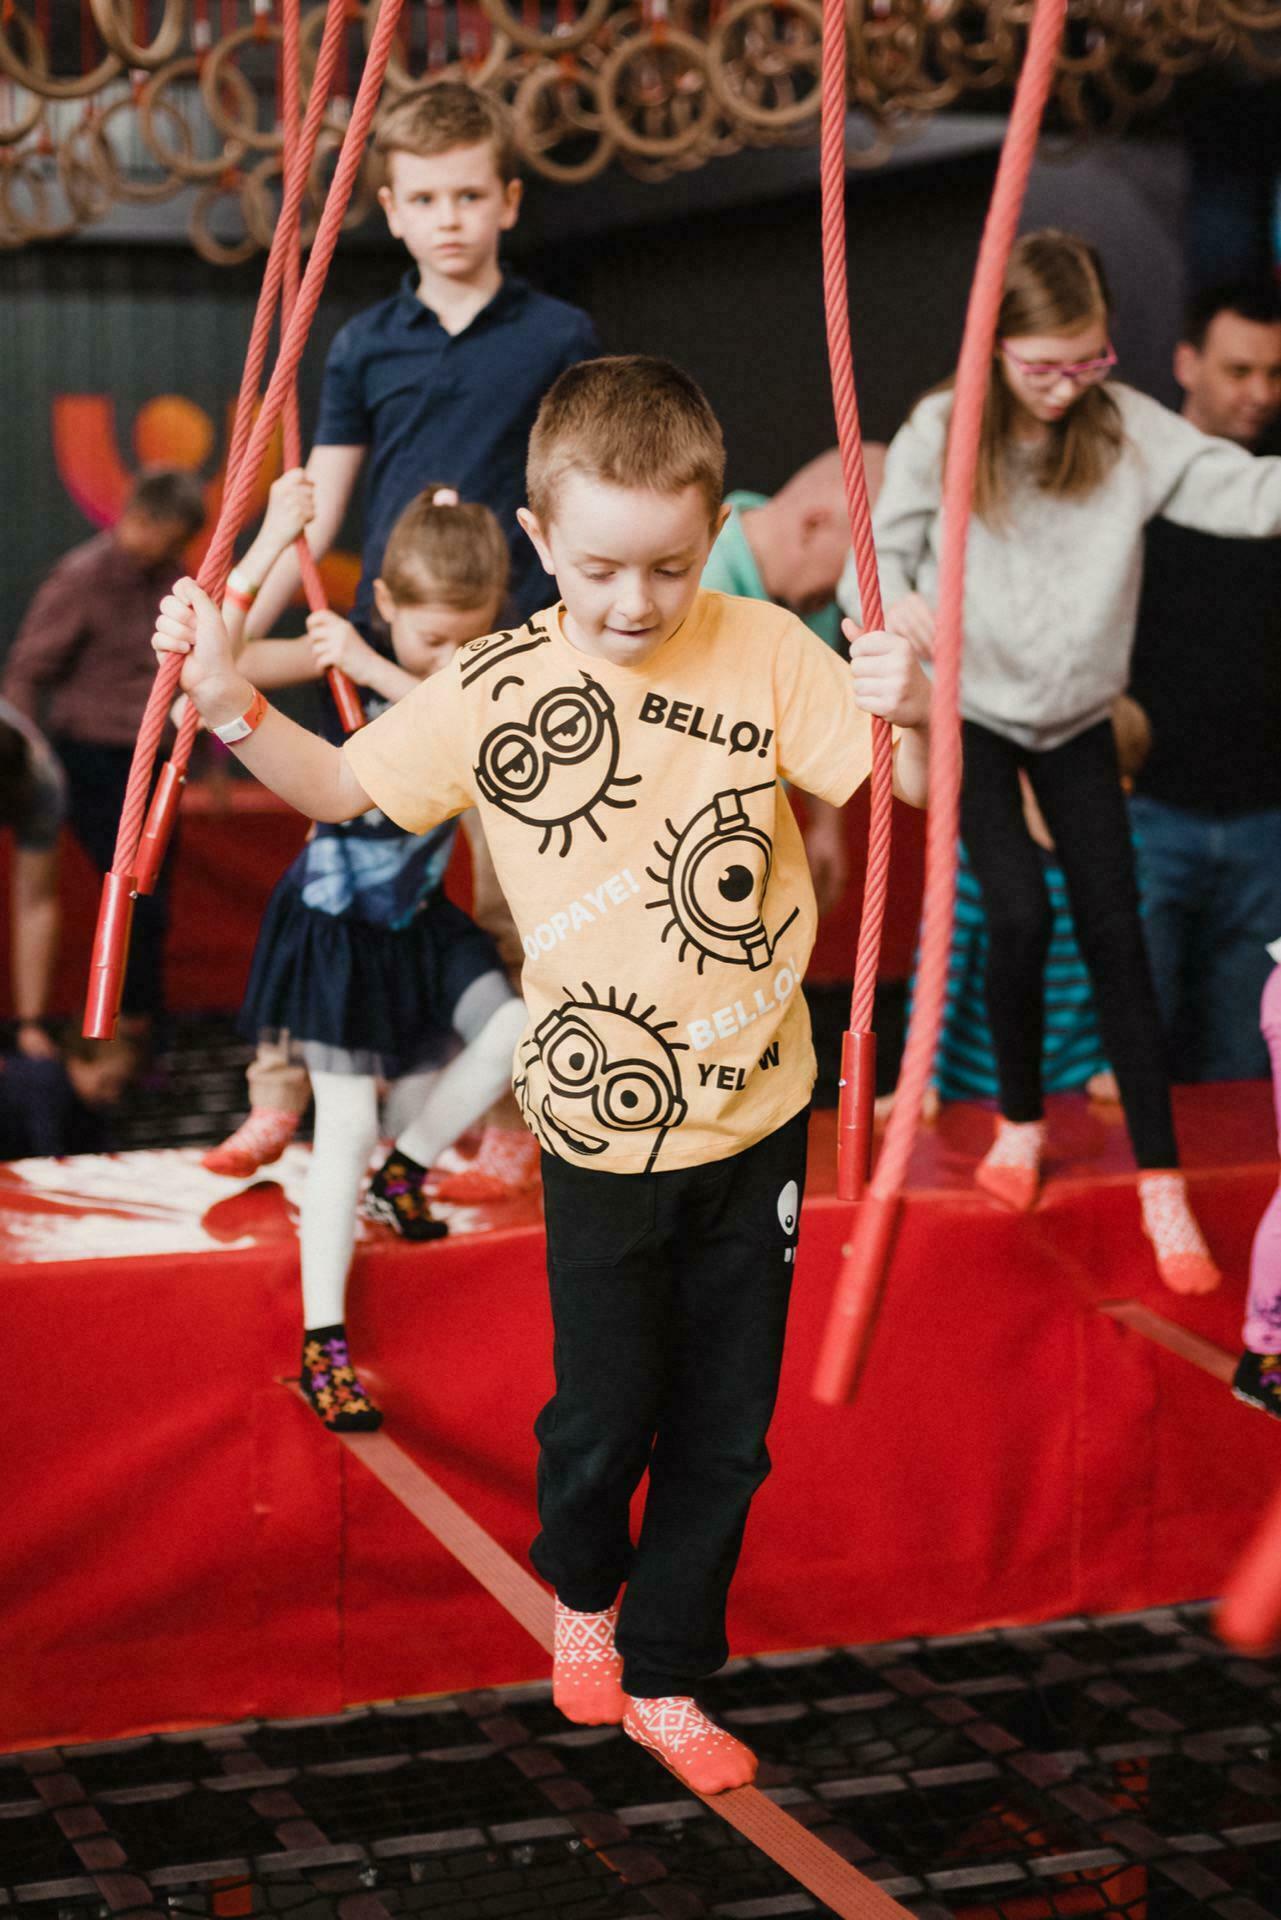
(443, 115)
(445, 554)
(169, 493)
(629, 419)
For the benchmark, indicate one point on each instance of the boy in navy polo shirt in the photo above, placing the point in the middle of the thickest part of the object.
(442, 381)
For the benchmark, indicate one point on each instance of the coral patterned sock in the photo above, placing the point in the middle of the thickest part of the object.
(1183, 1260)
(587, 1668)
(256, 1142)
(1011, 1169)
(507, 1163)
(701, 1754)
(332, 1384)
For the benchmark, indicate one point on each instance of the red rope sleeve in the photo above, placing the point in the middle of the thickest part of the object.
(858, 1287)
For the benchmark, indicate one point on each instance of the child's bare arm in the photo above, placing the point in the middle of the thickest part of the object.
(304, 770)
(277, 663)
(333, 472)
(290, 507)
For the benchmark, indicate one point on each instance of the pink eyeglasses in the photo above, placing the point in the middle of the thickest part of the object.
(1044, 374)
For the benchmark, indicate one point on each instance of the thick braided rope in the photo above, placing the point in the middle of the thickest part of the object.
(849, 434)
(213, 573)
(299, 151)
(282, 271)
(853, 1311)
(346, 699)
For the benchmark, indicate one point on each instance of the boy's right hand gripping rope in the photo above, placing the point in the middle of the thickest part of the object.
(858, 1288)
(249, 443)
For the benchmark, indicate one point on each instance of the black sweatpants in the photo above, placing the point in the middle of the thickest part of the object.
(97, 777)
(669, 1297)
(1078, 788)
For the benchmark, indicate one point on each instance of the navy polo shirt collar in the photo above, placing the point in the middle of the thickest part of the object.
(511, 291)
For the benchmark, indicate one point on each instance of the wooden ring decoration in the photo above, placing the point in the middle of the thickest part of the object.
(24, 169)
(217, 64)
(163, 46)
(261, 211)
(557, 39)
(35, 76)
(219, 253)
(769, 58)
(549, 111)
(89, 192)
(657, 45)
(30, 116)
(121, 184)
(152, 103)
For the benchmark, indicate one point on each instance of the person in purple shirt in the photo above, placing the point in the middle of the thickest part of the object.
(442, 380)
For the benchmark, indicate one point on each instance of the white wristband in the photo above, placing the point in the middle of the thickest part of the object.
(233, 731)
(240, 583)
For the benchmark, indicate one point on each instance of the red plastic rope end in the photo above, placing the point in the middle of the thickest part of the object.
(1249, 1617)
(848, 1334)
(110, 951)
(347, 701)
(856, 1115)
(158, 831)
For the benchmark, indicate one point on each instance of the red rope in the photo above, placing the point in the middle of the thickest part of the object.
(108, 967)
(858, 1287)
(858, 1059)
(153, 838)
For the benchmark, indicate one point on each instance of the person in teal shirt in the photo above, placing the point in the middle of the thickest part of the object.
(791, 549)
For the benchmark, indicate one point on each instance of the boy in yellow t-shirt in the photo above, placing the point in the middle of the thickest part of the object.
(625, 750)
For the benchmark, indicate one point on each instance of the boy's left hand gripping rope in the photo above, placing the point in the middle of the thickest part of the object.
(111, 938)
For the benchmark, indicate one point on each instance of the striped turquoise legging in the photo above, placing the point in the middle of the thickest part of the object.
(1071, 1049)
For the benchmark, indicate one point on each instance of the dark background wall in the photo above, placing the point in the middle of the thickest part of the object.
(732, 291)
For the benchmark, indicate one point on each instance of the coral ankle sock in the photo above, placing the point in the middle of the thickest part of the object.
(506, 1164)
(587, 1669)
(1011, 1169)
(701, 1754)
(256, 1142)
(332, 1384)
(1183, 1260)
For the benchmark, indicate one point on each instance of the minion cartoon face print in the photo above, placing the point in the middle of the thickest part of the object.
(556, 764)
(596, 1067)
(713, 878)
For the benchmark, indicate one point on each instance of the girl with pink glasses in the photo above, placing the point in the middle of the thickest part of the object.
(1070, 471)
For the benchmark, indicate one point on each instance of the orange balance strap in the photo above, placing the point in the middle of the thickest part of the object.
(790, 1845)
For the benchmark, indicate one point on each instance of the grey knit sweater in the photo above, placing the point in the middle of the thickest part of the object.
(1052, 592)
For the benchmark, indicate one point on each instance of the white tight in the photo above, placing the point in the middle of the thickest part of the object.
(443, 1104)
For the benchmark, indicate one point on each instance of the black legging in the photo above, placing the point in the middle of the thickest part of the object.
(1078, 789)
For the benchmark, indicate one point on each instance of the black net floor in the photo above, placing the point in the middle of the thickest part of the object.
(1125, 1767)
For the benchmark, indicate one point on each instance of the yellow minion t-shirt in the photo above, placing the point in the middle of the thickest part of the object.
(651, 860)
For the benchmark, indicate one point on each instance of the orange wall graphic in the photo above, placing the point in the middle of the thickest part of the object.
(169, 431)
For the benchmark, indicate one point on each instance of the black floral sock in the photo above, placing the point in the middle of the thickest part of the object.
(396, 1198)
(1257, 1381)
(332, 1384)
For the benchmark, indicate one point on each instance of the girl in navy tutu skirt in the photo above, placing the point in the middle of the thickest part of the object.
(374, 974)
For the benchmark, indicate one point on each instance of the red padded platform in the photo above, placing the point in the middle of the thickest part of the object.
(237, 841)
(186, 1545)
